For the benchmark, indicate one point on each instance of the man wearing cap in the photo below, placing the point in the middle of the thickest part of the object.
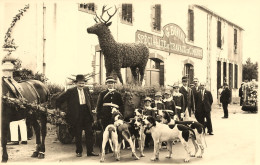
(179, 101)
(188, 97)
(225, 99)
(204, 102)
(79, 114)
(168, 101)
(158, 104)
(107, 100)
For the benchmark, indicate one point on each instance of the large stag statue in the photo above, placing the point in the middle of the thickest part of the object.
(119, 55)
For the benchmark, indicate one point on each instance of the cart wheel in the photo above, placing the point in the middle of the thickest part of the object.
(64, 135)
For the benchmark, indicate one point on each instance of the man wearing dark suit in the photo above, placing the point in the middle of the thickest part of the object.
(195, 89)
(188, 97)
(107, 100)
(79, 114)
(204, 101)
(241, 95)
(225, 99)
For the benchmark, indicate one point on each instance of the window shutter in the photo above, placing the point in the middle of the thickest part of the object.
(123, 11)
(219, 35)
(129, 12)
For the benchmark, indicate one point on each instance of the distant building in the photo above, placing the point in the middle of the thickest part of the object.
(188, 40)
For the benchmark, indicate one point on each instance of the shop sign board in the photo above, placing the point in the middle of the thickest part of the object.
(172, 41)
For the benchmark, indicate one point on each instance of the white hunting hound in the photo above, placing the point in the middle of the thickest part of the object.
(162, 132)
(195, 126)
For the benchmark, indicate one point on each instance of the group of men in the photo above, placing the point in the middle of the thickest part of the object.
(183, 101)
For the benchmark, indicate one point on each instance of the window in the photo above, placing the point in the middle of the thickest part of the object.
(218, 74)
(191, 25)
(230, 75)
(87, 7)
(224, 72)
(157, 18)
(235, 40)
(235, 75)
(127, 11)
(219, 44)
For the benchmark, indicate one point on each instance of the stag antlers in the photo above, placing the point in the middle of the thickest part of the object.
(101, 19)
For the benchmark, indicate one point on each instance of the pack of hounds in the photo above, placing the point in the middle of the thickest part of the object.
(163, 128)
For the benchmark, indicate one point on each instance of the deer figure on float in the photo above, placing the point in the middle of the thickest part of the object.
(119, 55)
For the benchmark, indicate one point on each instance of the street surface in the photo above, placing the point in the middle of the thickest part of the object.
(234, 142)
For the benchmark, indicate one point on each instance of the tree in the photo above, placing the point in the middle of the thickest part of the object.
(250, 70)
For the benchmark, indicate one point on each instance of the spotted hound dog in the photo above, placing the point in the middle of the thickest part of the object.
(163, 132)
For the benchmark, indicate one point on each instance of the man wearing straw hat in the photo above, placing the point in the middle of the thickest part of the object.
(107, 100)
(79, 114)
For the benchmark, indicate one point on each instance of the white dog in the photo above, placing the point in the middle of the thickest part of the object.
(162, 132)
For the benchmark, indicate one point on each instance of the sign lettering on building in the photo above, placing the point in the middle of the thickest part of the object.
(173, 41)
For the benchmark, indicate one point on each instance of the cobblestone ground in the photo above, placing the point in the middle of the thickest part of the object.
(234, 142)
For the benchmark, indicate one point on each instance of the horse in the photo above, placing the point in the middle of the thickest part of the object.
(33, 91)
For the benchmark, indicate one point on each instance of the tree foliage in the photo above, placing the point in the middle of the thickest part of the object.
(250, 70)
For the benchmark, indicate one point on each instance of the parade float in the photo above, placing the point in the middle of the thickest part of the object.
(250, 102)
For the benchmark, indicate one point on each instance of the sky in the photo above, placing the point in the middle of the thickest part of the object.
(244, 14)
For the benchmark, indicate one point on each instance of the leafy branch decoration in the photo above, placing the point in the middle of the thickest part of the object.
(9, 41)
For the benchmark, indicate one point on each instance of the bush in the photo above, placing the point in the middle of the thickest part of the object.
(55, 88)
(128, 90)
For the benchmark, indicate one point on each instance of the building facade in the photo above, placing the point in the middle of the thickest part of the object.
(183, 40)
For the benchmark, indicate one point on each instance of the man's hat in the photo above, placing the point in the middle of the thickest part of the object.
(195, 79)
(167, 91)
(80, 77)
(147, 99)
(158, 94)
(225, 84)
(184, 79)
(175, 85)
(110, 79)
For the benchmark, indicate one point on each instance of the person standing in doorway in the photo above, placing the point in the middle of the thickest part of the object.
(219, 94)
(225, 99)
(79, 114)
(203, 108)
(188, 98)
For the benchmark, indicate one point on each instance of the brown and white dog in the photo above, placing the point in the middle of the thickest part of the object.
(162, 132)
(137, 129)
(195, 126)
(116, 133)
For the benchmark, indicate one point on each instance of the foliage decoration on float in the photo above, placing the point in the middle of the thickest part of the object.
(9, 41)
(53, 117)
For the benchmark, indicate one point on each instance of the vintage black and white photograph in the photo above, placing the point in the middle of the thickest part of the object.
(124, 81)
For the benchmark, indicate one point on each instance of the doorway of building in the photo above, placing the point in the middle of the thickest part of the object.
(154, 72)
(189, 72)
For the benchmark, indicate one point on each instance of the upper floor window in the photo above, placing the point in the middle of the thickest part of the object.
(87, 7)
(219, 42)
(127, 13)
(235, 40)
(191, 25)
(157, 18)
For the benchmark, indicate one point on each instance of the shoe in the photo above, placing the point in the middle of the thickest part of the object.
(24, 142)
(92, 154)
(211, 133)
(79, 154)
(224, 117)
(13, 143)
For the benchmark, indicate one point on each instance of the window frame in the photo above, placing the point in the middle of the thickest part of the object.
(191, 25)
(157, 18)
(235, 41)
(125, 11)
(87, 10)
(219, 42)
